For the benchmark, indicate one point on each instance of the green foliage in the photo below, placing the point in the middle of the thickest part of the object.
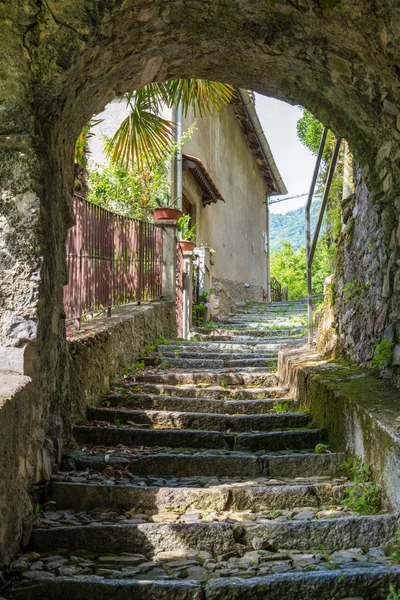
(117, 420)
(129, 193)
(187, 233)
(363, 497)
(309, 131)
(134, 193)
(200, 308)
(162, 341)
(383, 354)
(395, 557)
(165, 200)
(81, 145)
(321, 449)
(149, 349)
(355, 290)
(223, 383)
(393, 593)
(37, 510)
(144, 135)
(289, 267)
(210, 325)
(355, 468)
(281, 407)
(132, 369)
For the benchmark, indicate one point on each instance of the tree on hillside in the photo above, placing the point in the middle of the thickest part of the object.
(309, 131)
(289, 268)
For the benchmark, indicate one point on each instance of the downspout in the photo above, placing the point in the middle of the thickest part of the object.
(266, 150)
(177, 170)
(268, 249)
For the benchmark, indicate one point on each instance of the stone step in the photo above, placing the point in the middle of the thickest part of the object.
(357, 583)
(220, 538)
(197, 364)
(267, 323)
(235, 497)
(207, 390)
(200, 405)
(204, 421)
(275, 312)
(296, 439)
(213, 353)
(253, 337)
(210, 463)
(263, 378)
(274, 334)
(226, 347)
(267, 317)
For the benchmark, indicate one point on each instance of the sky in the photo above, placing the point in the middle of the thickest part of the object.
(294, 161)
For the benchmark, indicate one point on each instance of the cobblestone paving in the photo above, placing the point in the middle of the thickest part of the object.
(198, 477)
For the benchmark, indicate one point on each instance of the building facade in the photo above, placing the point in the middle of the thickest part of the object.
(228, 173)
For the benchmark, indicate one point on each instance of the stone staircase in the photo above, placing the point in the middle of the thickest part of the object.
(198, 478)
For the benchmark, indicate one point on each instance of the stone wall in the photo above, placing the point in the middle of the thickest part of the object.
(363, 306)
(35, 430)
(228, 293)
(359, 412)
(62, 62)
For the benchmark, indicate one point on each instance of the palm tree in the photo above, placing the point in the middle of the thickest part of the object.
(144, 135)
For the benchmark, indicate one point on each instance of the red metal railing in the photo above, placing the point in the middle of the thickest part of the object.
(111, 260)
(179, 291)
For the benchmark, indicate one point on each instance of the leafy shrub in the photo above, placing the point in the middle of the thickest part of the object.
(383, 354)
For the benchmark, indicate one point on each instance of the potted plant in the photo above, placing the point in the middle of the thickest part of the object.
(166, 209)
(187, 234)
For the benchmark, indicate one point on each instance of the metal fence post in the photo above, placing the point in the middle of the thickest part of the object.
(139, 294)
(312, 245)
(187, 294)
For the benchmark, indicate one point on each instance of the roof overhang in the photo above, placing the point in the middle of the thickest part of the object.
(243, 104)
(209, 190)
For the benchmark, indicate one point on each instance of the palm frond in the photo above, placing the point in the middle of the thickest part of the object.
(144, 135)
(199, 94)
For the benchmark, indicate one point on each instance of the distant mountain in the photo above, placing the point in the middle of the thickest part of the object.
(291, 226)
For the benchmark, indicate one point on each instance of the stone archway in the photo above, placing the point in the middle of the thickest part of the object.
(63, 61)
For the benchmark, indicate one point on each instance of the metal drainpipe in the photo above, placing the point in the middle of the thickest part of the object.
(268, 251)
(178, 156)
(308, 234)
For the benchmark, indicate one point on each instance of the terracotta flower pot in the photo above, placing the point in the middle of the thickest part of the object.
(167, 213)
(187, 246)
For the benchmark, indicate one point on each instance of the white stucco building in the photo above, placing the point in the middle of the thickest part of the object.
(228, 172)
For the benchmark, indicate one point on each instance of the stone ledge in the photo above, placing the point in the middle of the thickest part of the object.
(107, 344)
(11, 383)
(360, 412)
